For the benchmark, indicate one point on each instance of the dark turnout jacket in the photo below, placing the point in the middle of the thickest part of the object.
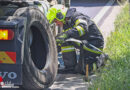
(80, 26)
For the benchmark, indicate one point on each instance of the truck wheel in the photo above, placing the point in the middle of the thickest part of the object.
(39, 53)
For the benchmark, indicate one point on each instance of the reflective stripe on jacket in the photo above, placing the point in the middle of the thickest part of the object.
(81, 27)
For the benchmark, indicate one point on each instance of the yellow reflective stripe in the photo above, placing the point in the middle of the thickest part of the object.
(63, 36)
(67, 29)
(77, 43)
(80, 21)
(80, 30)
(101, 49)
(68, 49)
(90, 50)
(63, 51)
(77, 22)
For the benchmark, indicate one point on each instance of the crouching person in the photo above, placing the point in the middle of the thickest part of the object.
(78, 26)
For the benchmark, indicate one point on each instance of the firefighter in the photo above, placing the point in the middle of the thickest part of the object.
(79, 26)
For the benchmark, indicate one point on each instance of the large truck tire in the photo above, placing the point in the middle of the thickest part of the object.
(39, 53)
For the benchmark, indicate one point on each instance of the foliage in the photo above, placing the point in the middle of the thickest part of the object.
(116, 74)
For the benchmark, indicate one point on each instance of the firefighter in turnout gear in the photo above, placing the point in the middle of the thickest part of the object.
(79, 26)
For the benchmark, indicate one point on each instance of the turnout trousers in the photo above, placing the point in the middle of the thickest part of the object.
(68, 50)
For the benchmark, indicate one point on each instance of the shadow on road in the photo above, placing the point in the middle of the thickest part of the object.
(69, 82)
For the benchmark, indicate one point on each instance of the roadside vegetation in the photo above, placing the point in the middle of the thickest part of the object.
(116, 74)
(121, 1)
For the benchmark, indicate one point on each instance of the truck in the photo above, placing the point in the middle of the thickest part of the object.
(28, 51)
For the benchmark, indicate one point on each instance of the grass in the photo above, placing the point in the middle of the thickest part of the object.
(121, 1)
(116, 74)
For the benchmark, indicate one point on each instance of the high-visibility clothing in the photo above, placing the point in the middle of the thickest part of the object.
(81, 27)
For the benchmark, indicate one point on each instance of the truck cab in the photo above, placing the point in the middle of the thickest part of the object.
(28, 51)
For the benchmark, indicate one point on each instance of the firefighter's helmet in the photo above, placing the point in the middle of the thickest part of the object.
(56, 12)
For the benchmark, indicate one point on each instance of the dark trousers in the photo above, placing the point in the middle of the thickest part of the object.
(69, 53)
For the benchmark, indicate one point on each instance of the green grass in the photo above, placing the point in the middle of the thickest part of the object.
(121, 1)
(116, 74)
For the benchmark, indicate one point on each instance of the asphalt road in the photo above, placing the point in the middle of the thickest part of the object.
(88, 7)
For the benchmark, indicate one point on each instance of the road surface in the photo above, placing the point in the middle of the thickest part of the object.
(90, 7)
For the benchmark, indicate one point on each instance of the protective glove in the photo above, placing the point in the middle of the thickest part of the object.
(85, 42)
(60, 39)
